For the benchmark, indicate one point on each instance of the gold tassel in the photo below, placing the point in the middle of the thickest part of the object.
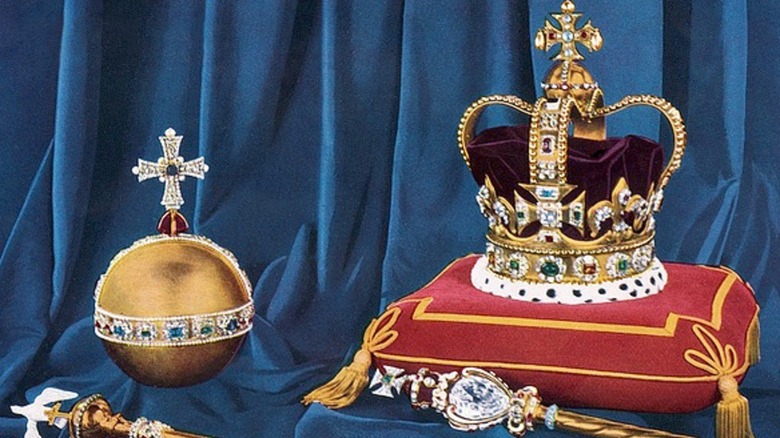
(732, 417)
(346, 386)
(754, 342)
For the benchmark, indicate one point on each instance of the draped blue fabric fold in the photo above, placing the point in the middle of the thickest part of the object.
(329, 127)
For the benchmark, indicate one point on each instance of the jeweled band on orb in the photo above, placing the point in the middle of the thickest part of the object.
(174, 331)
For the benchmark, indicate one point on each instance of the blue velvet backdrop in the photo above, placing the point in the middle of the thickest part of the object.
(330, 130)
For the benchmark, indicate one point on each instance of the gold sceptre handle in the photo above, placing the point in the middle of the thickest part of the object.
(598, 427)
(92, 417)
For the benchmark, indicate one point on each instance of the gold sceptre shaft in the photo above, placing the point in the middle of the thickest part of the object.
(92, 417)
(599, 427)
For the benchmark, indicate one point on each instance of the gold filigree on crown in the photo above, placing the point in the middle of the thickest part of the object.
(545, 232)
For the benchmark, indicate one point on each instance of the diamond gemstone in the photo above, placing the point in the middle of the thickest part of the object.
(549, 214)
(641, 258)
(477, 398)
(624, 196)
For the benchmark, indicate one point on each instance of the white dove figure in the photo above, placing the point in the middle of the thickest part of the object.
(36, 411)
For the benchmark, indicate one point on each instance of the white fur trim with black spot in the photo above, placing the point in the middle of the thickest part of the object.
(648, 283)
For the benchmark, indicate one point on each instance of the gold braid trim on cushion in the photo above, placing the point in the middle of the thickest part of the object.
(754, 341)
(732, 415)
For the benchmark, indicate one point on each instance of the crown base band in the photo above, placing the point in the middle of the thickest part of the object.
(541, 248)
(581, 268)
(637, 286)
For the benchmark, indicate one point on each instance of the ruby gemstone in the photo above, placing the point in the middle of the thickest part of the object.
(172, 223)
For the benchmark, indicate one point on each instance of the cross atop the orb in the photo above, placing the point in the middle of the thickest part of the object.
(171, 169)
(568, 35)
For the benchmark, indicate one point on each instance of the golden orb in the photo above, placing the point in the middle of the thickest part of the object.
(173, 309)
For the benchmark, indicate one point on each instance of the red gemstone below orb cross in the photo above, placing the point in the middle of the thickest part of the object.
(172, 223)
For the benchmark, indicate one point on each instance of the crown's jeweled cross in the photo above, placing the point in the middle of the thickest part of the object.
(171, 169)
(549, 210)
(568, 35)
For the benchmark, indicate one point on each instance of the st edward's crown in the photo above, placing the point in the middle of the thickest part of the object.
(570, 210)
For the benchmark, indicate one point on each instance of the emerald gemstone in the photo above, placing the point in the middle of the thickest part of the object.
(514, 265)
(577, 215)
(550, 269)
(622, 265)
(387, 379)
(146, 333)
(206, 330)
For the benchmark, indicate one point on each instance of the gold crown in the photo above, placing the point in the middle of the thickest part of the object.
(545, 230)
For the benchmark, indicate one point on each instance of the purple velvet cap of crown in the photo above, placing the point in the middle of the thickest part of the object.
(594, 165)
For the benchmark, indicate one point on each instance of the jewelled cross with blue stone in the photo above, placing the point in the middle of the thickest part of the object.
(171, 169)
(568, 35)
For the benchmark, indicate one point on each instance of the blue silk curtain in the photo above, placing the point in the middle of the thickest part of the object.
(330, 127)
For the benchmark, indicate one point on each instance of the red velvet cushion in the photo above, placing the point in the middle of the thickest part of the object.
(662, 353)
